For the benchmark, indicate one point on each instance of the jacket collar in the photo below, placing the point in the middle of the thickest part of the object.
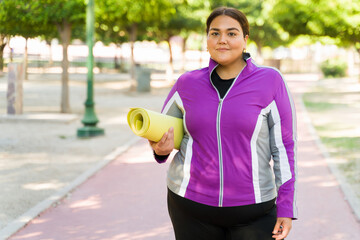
(248, 68)
(212, 65)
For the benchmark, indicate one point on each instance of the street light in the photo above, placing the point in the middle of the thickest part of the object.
(90, 120)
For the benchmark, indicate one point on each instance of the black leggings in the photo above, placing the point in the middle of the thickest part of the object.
(195, 221)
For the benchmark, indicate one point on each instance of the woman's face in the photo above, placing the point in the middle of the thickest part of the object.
(226, 40)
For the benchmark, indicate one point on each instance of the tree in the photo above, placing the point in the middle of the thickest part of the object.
(69, 17)
(4, 39)
(48, 39)
(109, 28)
(16, 18)
(338, 19)
(32, 18)
(185, 20)
(349, 34)
(197, 12)
(134, 17)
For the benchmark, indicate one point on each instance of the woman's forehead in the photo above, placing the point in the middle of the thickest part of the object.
(224, 22)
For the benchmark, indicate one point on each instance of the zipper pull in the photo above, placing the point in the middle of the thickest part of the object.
(220, 101)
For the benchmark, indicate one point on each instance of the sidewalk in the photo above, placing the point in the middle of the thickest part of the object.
(127, 198)
(40, 155)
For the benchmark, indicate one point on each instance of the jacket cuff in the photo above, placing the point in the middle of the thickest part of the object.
(160, 158)
(286, 212)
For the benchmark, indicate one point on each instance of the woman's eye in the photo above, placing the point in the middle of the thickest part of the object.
(214, 34)
(231, 34)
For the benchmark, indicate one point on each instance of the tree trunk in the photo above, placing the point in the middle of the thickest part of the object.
(116, 62)
(65, 34)
(170, 70)
(122, 60)
(51, 62)
(133, 36)
(2, 58)
(183, 54)
(3, 41)
(26, 60)
(358, 50)
(2, 46)
(201, 51)
(259, 57)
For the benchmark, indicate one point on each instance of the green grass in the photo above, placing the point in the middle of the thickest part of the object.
(330, 115)
(316, 101)
(319, 106)
(342, 143)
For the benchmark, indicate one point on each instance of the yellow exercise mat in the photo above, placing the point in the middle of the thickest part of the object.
(152, 125)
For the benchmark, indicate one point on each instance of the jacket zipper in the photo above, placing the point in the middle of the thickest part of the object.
(221, 165)
(221, 170)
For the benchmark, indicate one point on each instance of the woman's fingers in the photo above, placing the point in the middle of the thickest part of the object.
(282, 228)
(170, 135)
(166, 143)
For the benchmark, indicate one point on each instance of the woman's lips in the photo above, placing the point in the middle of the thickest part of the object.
(222, 49)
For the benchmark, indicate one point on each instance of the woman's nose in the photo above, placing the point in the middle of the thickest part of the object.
(222, 38)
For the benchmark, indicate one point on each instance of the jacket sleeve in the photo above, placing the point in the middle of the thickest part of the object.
(173, 107)
(283, 141)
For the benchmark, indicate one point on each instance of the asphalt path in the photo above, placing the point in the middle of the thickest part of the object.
(127, 199)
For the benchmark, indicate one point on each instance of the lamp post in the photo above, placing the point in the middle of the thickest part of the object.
(90, 120)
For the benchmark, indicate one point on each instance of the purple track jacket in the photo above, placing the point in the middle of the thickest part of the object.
(225, 156)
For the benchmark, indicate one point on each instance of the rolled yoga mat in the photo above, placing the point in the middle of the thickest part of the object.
(152, 125)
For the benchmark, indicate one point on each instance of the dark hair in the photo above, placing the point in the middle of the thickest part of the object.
(233, 13)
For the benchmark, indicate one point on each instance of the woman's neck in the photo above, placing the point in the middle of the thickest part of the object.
(230, 71)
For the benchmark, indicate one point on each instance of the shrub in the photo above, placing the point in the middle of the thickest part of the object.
(333, 68)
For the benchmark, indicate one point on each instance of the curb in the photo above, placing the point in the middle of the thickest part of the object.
(40, 117)
(35, 211)
(350, 195)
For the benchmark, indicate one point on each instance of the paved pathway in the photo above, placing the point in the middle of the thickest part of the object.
(323, 212)
(126, 200)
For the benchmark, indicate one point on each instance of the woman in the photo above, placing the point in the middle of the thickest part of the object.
(237, 117)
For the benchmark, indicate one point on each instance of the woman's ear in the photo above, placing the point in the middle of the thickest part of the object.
(246, 38)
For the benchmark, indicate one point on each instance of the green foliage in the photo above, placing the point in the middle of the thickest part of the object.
(16, 18)
(338, 19)
(116, 19)
(272, 22)
(109, 24)
(32, 18)
(333, 68)
(293, 16)
(188, 17)
(57, 12)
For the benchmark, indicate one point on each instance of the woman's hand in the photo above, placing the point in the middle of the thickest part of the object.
(282, 228)
(165, 145)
